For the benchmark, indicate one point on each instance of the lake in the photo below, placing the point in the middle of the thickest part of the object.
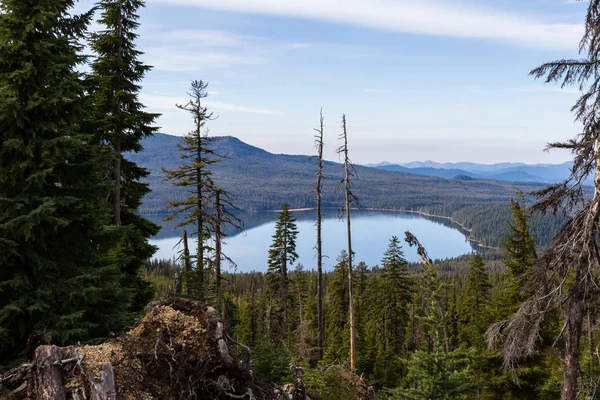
(371, 233)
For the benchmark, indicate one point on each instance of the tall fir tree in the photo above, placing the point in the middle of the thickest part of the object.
(282, 253)
(120, 122)
(473, 307)
(195, 174)
(519, 250)
(55, 276)
(337, 339)
(393, 314)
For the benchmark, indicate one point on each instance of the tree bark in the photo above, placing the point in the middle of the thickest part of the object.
(349, 232)
(187, 263)
(48, 375)
(320, 322)
(575, 314)
(218, 240)
(117, 193)
(103, 387)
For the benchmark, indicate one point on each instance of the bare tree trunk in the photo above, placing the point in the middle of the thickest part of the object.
(48, 375)
(218, 241)
(349, 232)
(285, 285)
(187, 262)
(117, 193)
(200, 250)
(576, 299)
(320, 322)
(574, 324)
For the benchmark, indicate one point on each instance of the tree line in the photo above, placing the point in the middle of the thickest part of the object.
(72, 247)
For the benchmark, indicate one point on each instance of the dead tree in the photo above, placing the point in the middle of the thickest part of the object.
(320, 322)
(224, 210)
(564, 277)
(349, 198)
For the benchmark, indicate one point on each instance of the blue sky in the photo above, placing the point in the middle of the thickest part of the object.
(443, 80)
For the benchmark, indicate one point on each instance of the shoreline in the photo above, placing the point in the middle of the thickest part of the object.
(469, 231)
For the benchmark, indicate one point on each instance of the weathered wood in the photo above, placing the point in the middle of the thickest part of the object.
(103, 387)
(48, 376)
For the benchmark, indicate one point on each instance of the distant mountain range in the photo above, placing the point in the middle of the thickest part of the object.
(261, 180)
(511, 172)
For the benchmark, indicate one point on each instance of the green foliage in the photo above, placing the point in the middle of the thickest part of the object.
(390, 307)
(337, 333)
(57, 275)
(195, 177)
(282, 253)
(261, 181)
(519, 249)
(473, 308)
(439, 375)
(271, 363)
(114, 87)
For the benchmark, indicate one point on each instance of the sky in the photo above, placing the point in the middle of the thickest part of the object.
(440, 80)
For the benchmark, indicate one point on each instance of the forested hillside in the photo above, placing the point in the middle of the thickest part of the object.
(260, 180)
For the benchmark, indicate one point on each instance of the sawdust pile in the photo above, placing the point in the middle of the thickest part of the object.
(178, 350)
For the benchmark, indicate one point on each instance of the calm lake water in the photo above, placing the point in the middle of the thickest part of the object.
(371, 233)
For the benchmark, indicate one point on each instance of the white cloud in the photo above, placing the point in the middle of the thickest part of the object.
(165, 103)
(171, 59)
(420, 17)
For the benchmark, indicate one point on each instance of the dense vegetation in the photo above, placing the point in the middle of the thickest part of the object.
(520, 324)
(260, 180)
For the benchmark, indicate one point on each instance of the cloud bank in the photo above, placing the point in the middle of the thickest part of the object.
(409, 16)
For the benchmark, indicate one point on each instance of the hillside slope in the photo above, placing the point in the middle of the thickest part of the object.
(261, 181)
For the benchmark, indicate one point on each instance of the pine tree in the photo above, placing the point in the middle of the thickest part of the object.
(473, 307)
(393, 314)
(194, 173)
(282, 253)
(337, 340)
(566, 276)
(519, 249)
(55, 276)
(436, 373)
(119, 121)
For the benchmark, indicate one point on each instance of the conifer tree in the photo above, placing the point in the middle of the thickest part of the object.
(119, 121)
(337, 342)
(282, 253)
(436, 373)
(519, 250)
(194, 173)
(55, 275)
(393, 313)
(566, 277)
(473, 307)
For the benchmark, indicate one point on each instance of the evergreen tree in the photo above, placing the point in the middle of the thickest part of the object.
(473, 308)
(393, 314)
(567, 277)
(337, 340)
(436, 373)
(282, 253)
(519, 250)
(194, 173)
(119, 121)
(55, 274)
